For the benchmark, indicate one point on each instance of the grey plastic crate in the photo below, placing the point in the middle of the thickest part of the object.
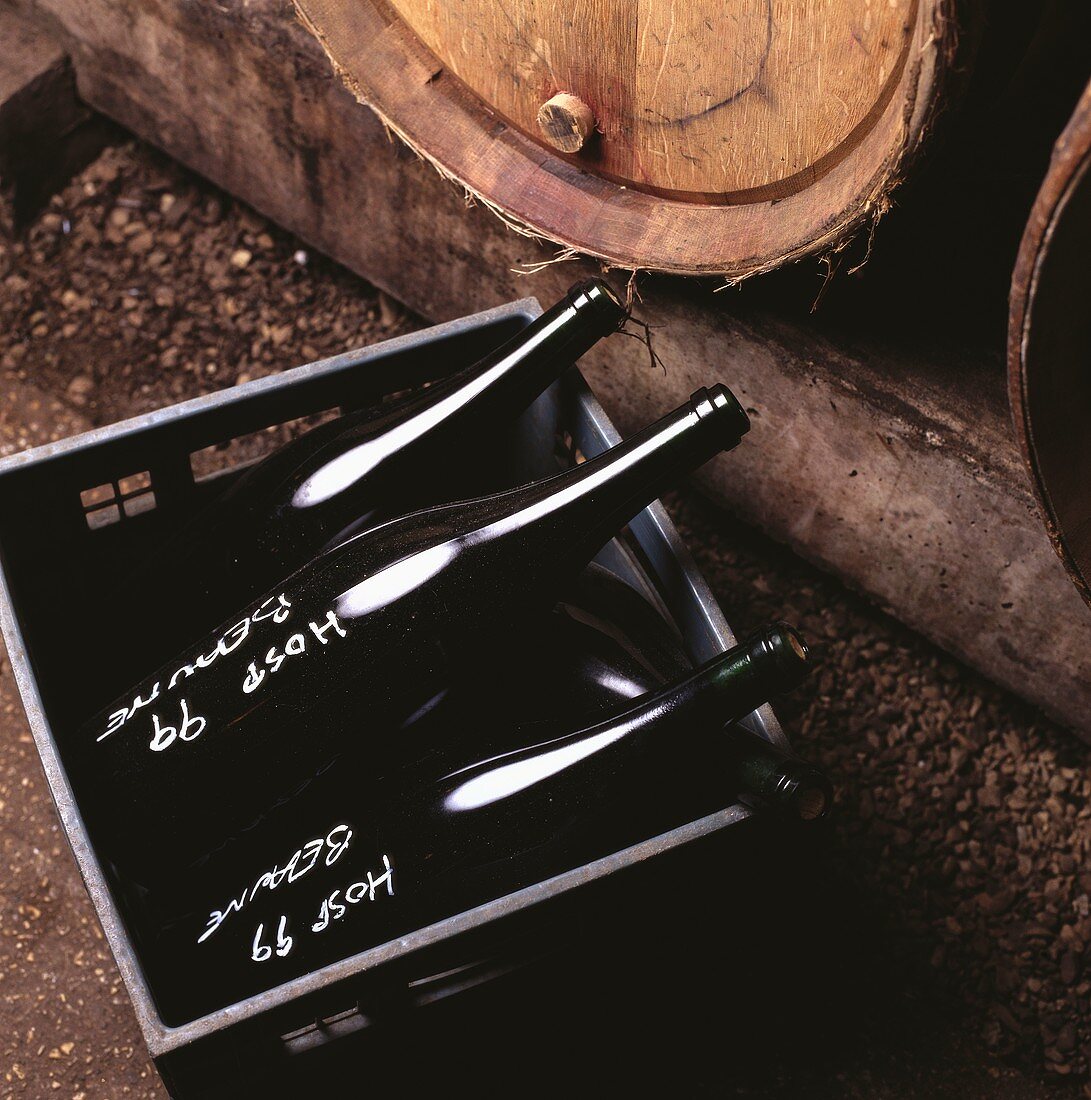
(49, 527)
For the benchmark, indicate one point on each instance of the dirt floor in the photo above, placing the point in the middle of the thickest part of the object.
(961, 901)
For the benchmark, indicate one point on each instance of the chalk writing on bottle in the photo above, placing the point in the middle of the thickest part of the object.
(296, 646)
(302, 861)
(280, 942)
(276, 608)
(333, 909)
(188, 728)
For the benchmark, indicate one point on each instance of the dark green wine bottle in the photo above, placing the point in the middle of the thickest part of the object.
(356, 643)
(529, 788)
(361, 872)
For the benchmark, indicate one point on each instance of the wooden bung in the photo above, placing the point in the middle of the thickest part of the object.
(566, 122)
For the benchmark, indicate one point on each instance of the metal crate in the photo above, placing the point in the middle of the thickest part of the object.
(44, 519)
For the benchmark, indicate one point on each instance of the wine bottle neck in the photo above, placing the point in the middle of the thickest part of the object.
(519, 370)
(593, 500)
(768, 662)
(732, 684)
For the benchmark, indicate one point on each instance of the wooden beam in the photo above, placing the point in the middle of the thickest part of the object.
(895, 467)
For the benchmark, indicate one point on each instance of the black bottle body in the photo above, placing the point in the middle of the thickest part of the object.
(355, 645)
(363, 466)
(363, 870)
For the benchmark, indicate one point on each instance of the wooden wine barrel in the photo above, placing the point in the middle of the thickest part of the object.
(714, 136)
(1049, 347)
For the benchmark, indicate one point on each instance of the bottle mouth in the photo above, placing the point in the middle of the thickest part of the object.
(598, 295)
(803, 791)
(719, 405)
(787, 650)
(788, 644)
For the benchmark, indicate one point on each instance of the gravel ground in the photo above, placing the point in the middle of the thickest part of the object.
(958, 915)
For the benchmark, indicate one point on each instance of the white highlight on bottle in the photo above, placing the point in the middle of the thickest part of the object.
(509, 779)
(620, 685)
(347, 469)
(393, 582)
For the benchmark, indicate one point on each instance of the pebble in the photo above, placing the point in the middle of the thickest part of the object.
(80, 389)
(1070, 968)
(390, 311)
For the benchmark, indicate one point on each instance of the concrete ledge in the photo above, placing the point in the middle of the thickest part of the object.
(889, 461)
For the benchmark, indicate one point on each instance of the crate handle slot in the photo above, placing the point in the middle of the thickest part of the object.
(240, 451)
(126, 497)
